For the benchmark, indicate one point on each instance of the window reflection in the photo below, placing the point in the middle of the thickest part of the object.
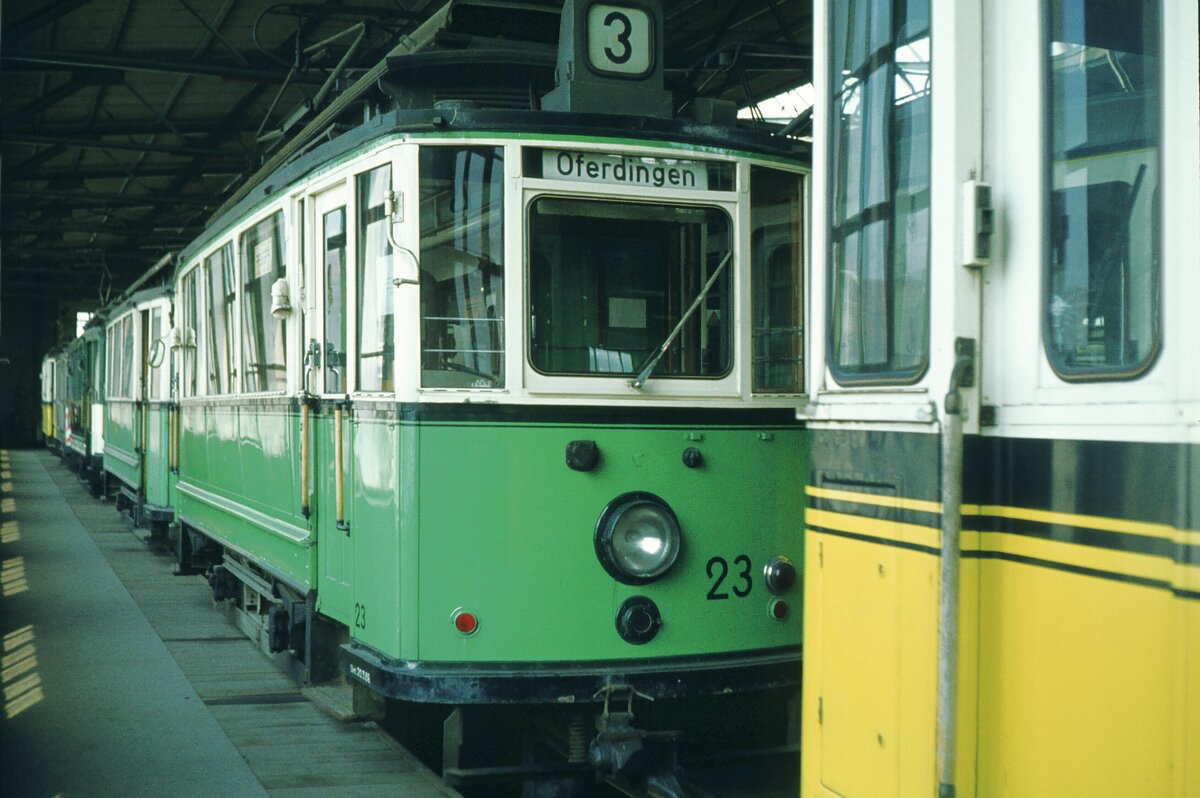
(333, 227)
(609, 281)
(154, 382)
(776, 280)
(218, 270)
(264, 358)
(462, 267)
(376, 299)
(879, 192)
(1102, 270)
(188, 316)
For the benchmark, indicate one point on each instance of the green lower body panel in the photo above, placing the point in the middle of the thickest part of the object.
(238, 484)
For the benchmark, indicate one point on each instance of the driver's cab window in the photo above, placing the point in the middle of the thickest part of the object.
(610, 282)
(462, 267)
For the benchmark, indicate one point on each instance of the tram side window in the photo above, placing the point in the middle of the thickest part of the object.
(462, 267)
(879, 191)
(188, 319)
(776, 280)
(376, 303)
(219, 273)
(264, 338)
(154, 382)
(120, 342)
(113, 346)
(333, 236)
(127, 374)
(99, 363)
(1102, 256)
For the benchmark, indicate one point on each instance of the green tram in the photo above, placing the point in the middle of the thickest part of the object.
(485, 411)
(83, 438)
(486, 408)
(504, 428)
(138, 412)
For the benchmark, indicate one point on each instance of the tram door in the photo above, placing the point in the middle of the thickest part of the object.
(326, 376)
(142, 405)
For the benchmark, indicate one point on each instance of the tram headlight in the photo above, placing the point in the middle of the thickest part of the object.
(637, 538)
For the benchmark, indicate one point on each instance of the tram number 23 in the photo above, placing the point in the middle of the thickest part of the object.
(740, 582)
(360, 616)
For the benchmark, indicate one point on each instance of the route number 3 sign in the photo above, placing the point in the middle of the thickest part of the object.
(620, 40)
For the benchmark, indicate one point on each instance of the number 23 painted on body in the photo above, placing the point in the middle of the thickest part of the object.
(718, 569)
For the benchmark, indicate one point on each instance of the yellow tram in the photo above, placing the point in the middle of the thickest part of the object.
(1002, 587)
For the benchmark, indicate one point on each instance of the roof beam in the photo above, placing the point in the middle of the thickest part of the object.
(47, 100)
(83, 255)
(41, 18)
(106, 229)
(19, 171)
(122, 200)
(115, 172)
(125, 146)
(214, 32)
(141, 127)
(42, 60)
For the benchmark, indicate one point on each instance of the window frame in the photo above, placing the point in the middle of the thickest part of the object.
(1074, 374)
(799, 286)
(234, 346)
(731, 274)
(503, 227)
(871, 214)
(190, 352)
(242, 303)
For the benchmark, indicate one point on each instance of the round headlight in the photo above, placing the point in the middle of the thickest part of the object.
(637, 538)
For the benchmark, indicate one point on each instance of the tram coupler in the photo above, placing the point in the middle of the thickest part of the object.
(636, 761)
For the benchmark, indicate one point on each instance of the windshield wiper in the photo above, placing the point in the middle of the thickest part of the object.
(647, 367)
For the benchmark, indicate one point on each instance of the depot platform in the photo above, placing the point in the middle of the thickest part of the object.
(121, 679)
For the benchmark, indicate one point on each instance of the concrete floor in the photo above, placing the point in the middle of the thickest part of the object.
(105, 695)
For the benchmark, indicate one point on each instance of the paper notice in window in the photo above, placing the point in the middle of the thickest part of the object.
(627, 312)
(264, 258)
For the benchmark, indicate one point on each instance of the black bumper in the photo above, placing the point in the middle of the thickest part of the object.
(570, 682)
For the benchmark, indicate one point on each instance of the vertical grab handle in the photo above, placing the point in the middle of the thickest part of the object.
(304, 510)
(338, 481)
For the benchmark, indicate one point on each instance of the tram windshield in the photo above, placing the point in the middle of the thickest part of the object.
(609, 282)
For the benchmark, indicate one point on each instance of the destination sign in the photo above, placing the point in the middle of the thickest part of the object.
(627, 170)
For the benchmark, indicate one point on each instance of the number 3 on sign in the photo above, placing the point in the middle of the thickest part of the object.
(619, 40)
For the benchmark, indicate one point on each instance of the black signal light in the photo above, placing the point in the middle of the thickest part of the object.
(779, 575)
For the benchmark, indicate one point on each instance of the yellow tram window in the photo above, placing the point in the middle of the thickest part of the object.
(879, 191)
(1101, 275)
